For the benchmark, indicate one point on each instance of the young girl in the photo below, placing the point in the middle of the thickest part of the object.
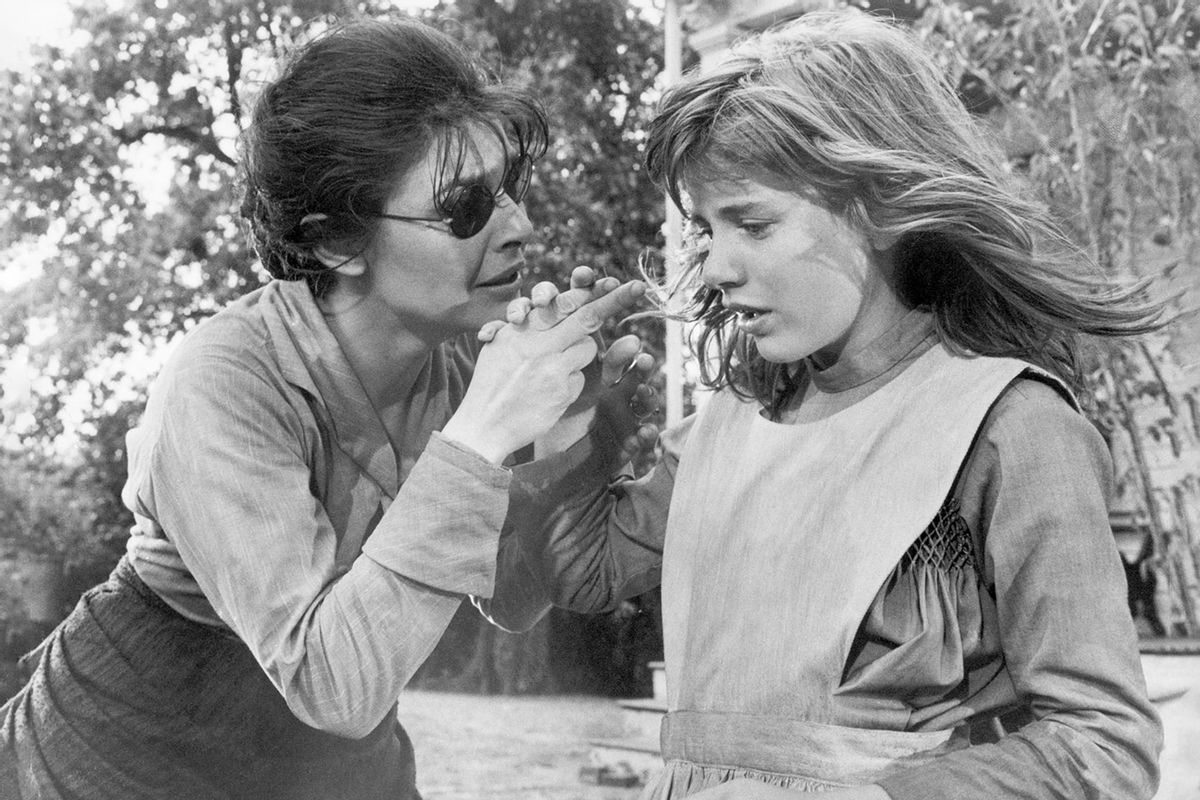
(887, 569)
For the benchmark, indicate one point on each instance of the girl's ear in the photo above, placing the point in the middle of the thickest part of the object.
(331, 255)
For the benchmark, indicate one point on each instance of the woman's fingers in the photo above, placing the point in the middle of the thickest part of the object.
(568, 302)
(489, 330)
(590, 317)
(518, 310)
(550, 306)
(581, 354)
(529, 375)
(582, 277)
(566, 317)
(542, 294)
(582, 311)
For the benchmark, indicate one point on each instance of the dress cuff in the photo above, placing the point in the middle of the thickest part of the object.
(443, 528)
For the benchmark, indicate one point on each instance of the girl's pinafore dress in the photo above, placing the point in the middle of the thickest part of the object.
(778, 539)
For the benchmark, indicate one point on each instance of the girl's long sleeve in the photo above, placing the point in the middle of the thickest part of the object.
(578, 539)
(1043, 475)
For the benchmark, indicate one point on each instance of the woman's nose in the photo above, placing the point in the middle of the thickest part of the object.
(517, 226)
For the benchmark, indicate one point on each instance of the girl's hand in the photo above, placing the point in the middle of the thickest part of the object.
(530, 372)
(616, 396)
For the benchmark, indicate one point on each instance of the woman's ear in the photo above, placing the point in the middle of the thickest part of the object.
(330, 253)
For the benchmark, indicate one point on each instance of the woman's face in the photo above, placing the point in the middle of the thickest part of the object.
(805, 283)
(435, 284)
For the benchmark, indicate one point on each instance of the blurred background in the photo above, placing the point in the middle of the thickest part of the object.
(119, 232)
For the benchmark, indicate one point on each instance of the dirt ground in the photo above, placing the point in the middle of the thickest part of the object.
(470, 747)
(1179, 679)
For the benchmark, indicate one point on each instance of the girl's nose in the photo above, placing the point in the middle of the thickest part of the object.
(719, 271)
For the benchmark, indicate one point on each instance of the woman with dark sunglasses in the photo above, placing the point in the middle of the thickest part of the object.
(318, 480)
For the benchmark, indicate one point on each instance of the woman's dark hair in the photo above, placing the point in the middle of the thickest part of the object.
(849, 109)
(352, 110)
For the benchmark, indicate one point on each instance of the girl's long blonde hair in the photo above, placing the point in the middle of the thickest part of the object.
(850, 108)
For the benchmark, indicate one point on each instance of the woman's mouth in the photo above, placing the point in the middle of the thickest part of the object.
(504, 279)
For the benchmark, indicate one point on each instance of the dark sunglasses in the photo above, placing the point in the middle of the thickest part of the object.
(469, 208)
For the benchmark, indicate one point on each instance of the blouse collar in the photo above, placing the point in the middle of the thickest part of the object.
(911, 336)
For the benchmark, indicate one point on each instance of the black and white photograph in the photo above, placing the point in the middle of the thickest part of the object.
(599, 399)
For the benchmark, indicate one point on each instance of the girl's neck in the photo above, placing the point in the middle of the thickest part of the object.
(859, 374)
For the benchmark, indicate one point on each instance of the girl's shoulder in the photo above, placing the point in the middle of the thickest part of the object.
(1035, 401)
(1035, 427)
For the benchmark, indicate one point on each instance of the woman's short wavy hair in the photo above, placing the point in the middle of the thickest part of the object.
(351, 111)
(850, 110)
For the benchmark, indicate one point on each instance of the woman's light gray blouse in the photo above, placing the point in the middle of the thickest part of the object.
(260, 473)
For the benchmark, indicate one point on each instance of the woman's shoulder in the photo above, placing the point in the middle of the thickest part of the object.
(226, 375)
(238, 328)
(233, 350)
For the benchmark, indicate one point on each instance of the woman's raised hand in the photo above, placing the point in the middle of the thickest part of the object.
(531, 370)
(546, 306)
(615, 392)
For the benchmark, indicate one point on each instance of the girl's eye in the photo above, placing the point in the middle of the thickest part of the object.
(754, 227)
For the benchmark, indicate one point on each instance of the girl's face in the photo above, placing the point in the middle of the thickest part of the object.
(803, 281)
(433, 283)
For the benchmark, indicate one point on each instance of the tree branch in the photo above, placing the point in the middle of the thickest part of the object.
(204, 140)
(233, 67)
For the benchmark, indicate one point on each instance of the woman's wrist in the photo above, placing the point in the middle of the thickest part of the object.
(488, 442)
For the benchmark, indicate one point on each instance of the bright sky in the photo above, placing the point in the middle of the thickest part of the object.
(30, 21)
(27, 22)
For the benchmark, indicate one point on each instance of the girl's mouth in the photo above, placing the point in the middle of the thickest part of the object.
(751, 320)
(745, 313)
